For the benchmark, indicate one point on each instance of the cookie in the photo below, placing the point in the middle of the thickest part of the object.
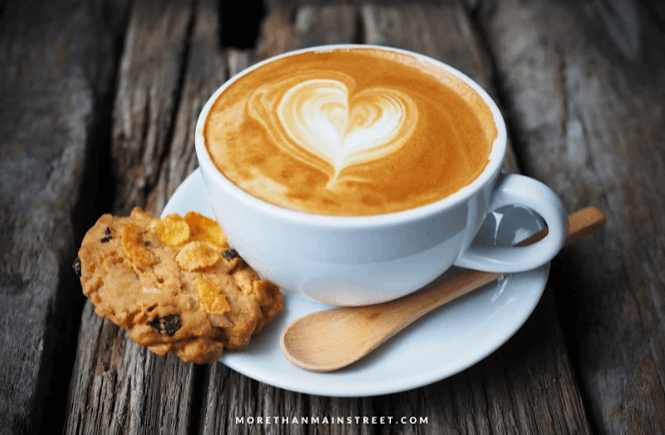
(174, 284)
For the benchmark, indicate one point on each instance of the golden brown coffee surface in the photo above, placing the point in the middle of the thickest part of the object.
(351, 131)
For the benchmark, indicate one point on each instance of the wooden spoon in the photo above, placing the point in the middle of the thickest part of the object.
(331, 339)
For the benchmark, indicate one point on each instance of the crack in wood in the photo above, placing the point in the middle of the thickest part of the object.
(245, 35)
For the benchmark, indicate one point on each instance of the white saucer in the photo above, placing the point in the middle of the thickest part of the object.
(437, 346)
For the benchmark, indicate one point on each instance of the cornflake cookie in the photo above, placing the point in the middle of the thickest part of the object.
(174, 284)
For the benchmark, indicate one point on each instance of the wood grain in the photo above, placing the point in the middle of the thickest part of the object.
(56, 72)
(149, 87)
(205, 69)
(117, 385)
(587, 105)
(324, 25)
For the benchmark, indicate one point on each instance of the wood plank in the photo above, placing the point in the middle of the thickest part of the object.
(119, 386)
(276, 33)
(585, 93)
(206, 70)
(56, 72)
(327, 24)
(150, 82)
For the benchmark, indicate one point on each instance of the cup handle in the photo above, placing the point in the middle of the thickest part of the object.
(513, 189)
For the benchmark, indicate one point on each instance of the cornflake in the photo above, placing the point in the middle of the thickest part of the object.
(133, 246)
(211, 298)
(197, 255)
(172, 229)
(205, 229)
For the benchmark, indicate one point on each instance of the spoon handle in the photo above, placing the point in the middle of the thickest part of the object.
(409, 308)
(332, 339)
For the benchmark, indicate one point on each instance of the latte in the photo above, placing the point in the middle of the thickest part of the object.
(349, 131)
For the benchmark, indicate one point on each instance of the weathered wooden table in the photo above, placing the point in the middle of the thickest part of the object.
(98, 102)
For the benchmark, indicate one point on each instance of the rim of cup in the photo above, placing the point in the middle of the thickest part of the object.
(421, 212)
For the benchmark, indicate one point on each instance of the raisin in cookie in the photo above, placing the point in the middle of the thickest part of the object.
(174, 284)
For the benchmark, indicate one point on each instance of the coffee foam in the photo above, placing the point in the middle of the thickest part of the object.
(320, 120)
(350, 132)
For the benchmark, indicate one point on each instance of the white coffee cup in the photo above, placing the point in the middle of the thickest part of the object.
(359, 260)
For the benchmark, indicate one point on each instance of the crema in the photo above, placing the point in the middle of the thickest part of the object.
(349, 132)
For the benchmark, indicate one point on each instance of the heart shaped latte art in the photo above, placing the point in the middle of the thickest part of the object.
(320, 122)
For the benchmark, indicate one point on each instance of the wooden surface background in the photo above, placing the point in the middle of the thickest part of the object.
(98, 101)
